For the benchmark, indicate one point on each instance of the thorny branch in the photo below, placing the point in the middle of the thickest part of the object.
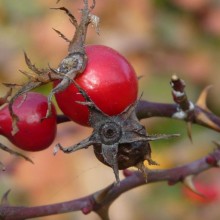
(72, 65)
(197, 113)
(102, 199)
(118, 141)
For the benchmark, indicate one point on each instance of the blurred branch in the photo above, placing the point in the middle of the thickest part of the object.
(100, 201)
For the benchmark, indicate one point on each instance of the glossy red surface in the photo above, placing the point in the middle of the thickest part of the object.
(108, 79)
(34, 133)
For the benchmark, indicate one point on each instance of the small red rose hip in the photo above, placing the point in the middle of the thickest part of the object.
(34, 133)
(108, 79)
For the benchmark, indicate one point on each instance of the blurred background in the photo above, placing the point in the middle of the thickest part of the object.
(159, 38)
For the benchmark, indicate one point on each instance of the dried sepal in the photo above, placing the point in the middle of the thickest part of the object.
(141, 167)
(119, 141)
(70, 15)
(62, 35)
(17, 154)
(95, 20)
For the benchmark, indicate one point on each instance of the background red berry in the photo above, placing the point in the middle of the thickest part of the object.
(35, 133)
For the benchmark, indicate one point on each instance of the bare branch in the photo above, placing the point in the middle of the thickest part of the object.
(102, 199)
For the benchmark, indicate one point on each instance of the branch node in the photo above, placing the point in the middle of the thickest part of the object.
(211, 160)
(86, 210)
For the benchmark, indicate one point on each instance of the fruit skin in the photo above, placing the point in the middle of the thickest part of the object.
(34, 133)
(129, 154)
(108, 79)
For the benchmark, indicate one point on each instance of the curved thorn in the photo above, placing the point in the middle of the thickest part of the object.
(188, 182)
(201, 102)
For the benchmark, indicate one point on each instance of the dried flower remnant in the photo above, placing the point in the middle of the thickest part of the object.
(119, 141)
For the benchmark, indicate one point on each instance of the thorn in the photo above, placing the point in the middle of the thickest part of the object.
(4, 200)
(201, 102)
(189, 131)
(188, 182)
(205, 120)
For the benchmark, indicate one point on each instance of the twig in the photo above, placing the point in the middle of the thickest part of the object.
(103, 198)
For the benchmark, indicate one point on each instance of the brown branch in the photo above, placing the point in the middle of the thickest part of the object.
(200, 116)
(102, 199)
(147, 109)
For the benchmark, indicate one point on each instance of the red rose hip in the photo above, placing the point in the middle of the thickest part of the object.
(35, 133)
(108, 79)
